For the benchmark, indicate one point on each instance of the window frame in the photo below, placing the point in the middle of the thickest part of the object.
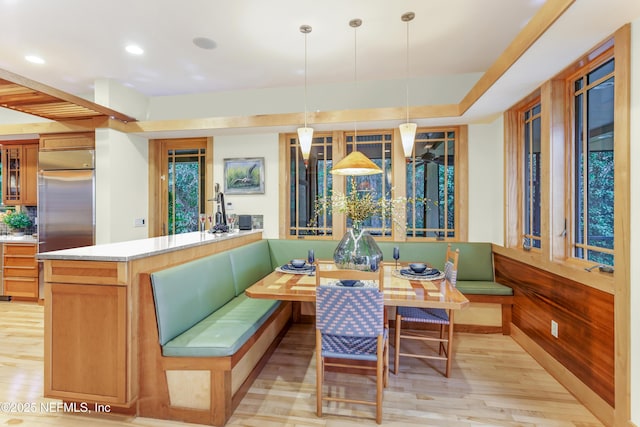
(398, 172)
(570, 160)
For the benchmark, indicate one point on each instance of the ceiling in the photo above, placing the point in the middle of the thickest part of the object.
(258, 43)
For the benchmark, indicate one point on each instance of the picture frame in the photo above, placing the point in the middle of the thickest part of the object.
(244, 175)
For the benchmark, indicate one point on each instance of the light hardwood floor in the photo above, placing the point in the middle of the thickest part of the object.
(493, 383)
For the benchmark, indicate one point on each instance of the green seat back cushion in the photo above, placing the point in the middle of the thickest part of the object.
(187, 293)
(223, 332)
(475, 262)
(249, 264)
(283, 251)
(432, 253)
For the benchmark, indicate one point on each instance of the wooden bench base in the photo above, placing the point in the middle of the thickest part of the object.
(202, 390)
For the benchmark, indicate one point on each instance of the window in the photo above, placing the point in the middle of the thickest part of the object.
(431, 190)
(433, 173)
(308, 184)
(377, 147)
(185, 189)
(180, 184)
(531, 178)
(593, 165)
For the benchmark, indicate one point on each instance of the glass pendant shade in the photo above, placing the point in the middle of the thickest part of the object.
(355, 163)
(408, 136)
(305, 136)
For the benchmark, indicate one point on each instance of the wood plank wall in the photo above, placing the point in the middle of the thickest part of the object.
(585, 316)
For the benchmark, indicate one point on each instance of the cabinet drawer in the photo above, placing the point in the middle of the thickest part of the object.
(21, 271)
(20, 261)
(13, 249)
(21, 287)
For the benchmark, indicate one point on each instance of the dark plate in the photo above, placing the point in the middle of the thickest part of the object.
(351, 283)
(429, 272)
(289, 267)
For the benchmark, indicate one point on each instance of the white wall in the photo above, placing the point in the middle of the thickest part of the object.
(122, 186)
(486, 182)
(262, 145)
(426, 91)
(634, 327)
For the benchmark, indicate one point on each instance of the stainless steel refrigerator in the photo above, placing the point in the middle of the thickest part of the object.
(66, 199)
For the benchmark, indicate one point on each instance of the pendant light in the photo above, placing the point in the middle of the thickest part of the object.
(356, 163)
(305, 134)
(407, 130)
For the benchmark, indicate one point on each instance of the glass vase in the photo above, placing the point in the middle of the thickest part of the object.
(357, 251)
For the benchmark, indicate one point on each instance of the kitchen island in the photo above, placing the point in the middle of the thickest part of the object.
(92, 312)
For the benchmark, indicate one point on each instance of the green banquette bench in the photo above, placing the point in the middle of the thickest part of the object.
(212, 340)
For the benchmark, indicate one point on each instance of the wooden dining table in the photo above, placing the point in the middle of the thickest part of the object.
(398, 291)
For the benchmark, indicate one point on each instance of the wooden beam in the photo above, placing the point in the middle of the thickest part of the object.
(542, 20)
(63, 96)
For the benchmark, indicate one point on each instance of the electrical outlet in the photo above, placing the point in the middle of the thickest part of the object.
(554, 328)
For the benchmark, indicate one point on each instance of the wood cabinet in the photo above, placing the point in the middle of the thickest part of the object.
(67, 141)
(20, 174)
(20, 279)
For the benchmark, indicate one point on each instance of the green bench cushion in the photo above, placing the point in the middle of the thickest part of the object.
(283, 251)
(249, 264)
(184, 294)
(223, 332)
(482, 287)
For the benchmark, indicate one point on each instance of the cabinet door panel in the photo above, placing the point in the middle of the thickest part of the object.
(20, 174)
(87, 323)
(30, 175)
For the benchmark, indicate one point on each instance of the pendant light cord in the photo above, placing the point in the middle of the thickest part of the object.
(355, 80)
(355, 23)
(305, 78)
(407, 73)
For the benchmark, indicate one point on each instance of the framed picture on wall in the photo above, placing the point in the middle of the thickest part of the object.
(244, 176)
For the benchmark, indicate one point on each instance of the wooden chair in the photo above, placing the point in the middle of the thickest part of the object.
(350, 324)
(437, 316)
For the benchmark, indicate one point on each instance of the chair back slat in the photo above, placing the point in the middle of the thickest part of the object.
(328, 270)
(451, 265)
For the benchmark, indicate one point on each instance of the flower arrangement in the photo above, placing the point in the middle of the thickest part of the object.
(17, 220)
(361, 204)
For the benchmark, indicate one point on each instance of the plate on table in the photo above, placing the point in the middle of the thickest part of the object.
(306, 269)
(351, 283)
(425, 273)
(428, 274)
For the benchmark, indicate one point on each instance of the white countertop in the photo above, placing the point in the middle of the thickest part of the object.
(18, 239)
(134, 249)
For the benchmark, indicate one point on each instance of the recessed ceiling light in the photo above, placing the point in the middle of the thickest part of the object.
(205, 43)
(134, 49)
(34, 59)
